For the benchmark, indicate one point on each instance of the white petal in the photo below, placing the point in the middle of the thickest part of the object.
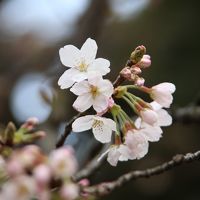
(165, 99)
(149, 116)
(137, 143)
(89, 50)
(125, 152)
(102, 133)
(83, 102)
(69, 55)
(152, 133)
(105, 87)
(168, 87)
(65, 81)
(80, 88)
(138, 123)
(110, 123)
(113, 156)
(100, 65)
(83, 123)
(79, 76)
(100, 103)
(164, 119)
(94, 78)
(155, 105)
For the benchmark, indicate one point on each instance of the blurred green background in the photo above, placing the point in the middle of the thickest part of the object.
(31, 33)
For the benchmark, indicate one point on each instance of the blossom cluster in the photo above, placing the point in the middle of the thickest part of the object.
(129, 138)
(29, 174)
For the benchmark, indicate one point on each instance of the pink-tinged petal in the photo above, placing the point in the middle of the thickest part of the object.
(102, 133)
(100, 65)
(165, 87)
(89, 50)
(83, 123)
(137, 143)
(105, 87)
(126, 153)
(164, 99)
(155, 105)
(164, 119)
(80, 88)
(113, 156)
(83, 102)
(65, 81)
(100, 103)
(152, 133)
(70, 56)
(149, 116)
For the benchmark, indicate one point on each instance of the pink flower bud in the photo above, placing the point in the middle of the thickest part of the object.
(126, 73)
(30, 123)
(62, 162)
(149, 116)
(136, 70)
(139, 81)
(15, 167)
(69, 191)
(84, 182)
(42, 174)
(162, 94)
(144, 62)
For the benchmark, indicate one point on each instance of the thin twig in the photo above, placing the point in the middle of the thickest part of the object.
(92, 167)
(108, 187)
(67, 131)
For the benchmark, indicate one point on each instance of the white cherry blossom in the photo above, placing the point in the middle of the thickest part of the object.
(102, 127)
(149, 116)
(95, 92)
(117, 153)
(137, 143)
(153, 132)
(162, 93)
(81, 62)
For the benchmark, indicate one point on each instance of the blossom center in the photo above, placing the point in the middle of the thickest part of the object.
(83, 66)
(97, 124)
(94, 90)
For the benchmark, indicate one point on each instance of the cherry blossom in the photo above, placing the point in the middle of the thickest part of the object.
(95, 92)
(162, 93)
(102, 127)
(153, 132)
(137, 143)
(149, 116)
(81, 62)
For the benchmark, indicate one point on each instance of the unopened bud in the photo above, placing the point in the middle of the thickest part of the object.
(139, 81)
(137, 54)
(136, 70)
(126, 73)
(9, 133)
(145, 62)
(30, 123)
(33, 136)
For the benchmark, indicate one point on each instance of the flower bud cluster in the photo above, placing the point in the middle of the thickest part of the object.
(25, 134)
(85, 77)
(29, 174)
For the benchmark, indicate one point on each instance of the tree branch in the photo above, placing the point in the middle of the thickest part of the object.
(108, 187)
(188, 114)
(92, 167)
(67, 131)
